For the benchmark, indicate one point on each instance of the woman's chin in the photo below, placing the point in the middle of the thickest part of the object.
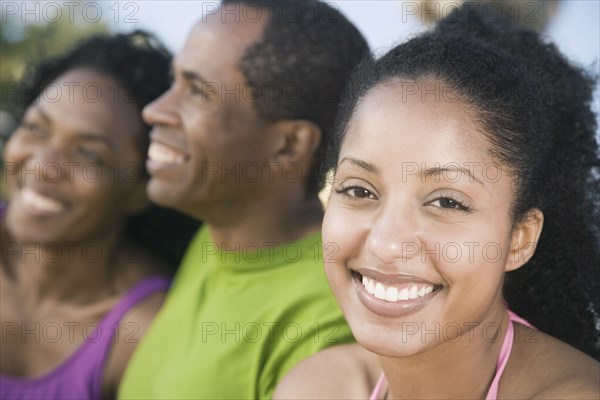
(390, 342)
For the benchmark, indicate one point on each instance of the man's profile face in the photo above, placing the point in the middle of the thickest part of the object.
(208, 142)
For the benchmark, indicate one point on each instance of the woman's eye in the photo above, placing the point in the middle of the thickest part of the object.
(449, 203)
(356, 192)
(89, 155)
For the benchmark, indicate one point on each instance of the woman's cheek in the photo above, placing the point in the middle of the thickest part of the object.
(344, 233)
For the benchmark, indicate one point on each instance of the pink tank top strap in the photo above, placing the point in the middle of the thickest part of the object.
(501, 364)
(515, 318)
(505, 351)
(377, 391)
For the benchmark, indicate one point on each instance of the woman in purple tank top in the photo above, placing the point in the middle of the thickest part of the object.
(80, 278)
(458, 155)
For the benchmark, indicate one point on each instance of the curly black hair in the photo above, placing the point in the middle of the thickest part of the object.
(534, 107)
(301, 64)
(140, 64)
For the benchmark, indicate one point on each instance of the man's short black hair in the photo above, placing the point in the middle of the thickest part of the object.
(299, 67)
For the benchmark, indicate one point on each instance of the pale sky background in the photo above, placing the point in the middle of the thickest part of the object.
(575, 28)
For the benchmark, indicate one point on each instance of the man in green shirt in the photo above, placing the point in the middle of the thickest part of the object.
(237, 143)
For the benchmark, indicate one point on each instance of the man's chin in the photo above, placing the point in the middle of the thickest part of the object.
(163, 194)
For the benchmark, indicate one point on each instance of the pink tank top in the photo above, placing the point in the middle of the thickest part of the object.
(80, 376)
(502, 360)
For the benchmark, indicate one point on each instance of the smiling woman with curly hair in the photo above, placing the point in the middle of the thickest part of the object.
(84, 254)
(466, 187)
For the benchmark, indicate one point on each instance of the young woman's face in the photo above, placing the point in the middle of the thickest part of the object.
(73, 164)
(417, 233)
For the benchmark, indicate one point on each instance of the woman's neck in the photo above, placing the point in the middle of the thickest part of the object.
(75, 273)
(461, 369)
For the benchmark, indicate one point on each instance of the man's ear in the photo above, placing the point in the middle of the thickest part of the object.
(524, 240)
(296, 141)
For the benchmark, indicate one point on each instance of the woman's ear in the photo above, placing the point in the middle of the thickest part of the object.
(296, 141)
(524, 241)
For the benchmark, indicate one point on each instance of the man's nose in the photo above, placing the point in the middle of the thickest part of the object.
(164, 110)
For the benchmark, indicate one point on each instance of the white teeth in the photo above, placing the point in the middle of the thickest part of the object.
(379, 291)
(40, 202)
(161, 153)
(403, 295)
(371, 287)
(412, 294)
(391, 294)
(394, 294)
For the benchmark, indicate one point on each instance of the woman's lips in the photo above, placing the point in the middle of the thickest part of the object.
(393, 295)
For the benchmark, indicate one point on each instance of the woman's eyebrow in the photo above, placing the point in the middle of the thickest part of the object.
(370, 167)
(89, 136)
(95, 137)
(440, 171)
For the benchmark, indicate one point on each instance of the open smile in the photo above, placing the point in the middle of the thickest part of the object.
(40, 204)
(393, 295)
(162, 158)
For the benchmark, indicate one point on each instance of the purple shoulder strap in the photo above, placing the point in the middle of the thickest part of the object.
(107, 331)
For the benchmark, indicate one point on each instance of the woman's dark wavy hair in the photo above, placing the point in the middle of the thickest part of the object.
(534, 107)
(139, 64)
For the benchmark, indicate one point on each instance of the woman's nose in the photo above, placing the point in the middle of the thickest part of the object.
(393, 236)
(48, 164)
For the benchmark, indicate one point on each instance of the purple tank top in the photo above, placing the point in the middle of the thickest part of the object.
(80, 376)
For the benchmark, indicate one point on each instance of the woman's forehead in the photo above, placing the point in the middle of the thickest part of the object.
(414, 121)
(91, 101)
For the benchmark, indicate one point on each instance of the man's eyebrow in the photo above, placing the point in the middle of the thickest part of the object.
(40, 110)
(189, 75)
(438, 171)
(372, 168)
(192, 76)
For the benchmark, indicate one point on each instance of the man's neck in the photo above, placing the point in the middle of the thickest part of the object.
(266, 223)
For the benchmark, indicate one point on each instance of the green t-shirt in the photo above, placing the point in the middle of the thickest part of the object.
(235, 323)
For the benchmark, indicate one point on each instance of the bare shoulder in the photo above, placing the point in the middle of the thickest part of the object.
(346, 371)
(132, 328)
(550, 368)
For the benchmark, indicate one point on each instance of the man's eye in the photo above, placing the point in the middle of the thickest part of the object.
(34, 129)
(197, 90)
